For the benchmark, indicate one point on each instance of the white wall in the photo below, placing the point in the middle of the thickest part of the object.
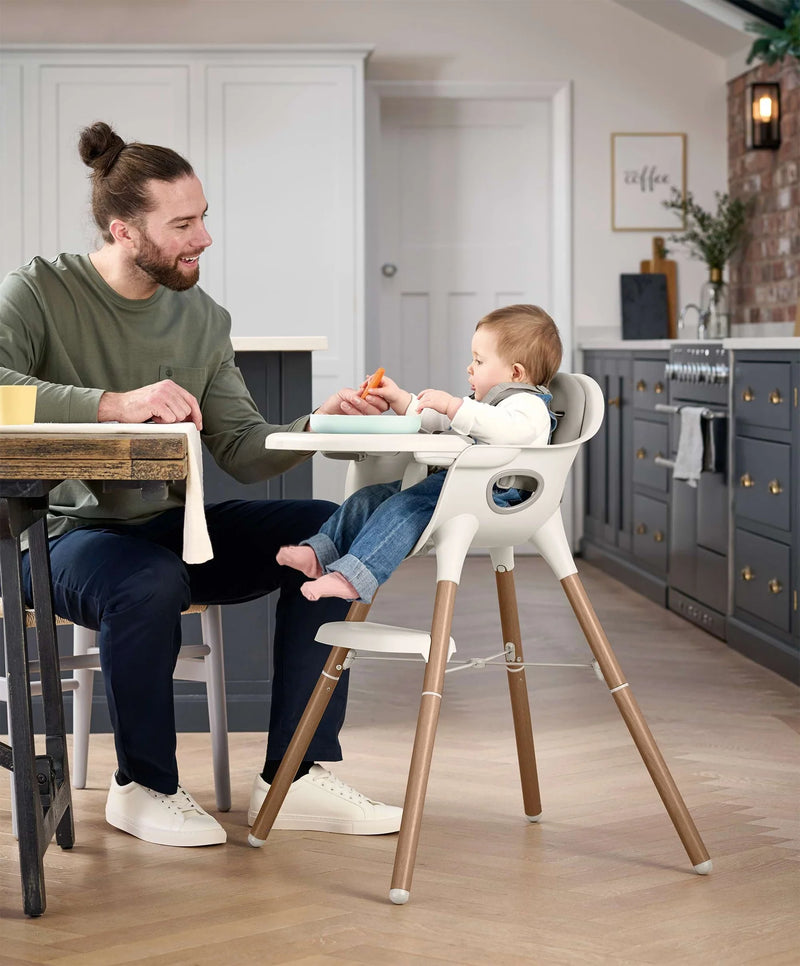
(628, 75)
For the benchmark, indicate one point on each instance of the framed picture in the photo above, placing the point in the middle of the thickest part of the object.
(644, 170)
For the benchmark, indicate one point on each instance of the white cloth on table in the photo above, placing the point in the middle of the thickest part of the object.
(196, 541)
(689, 461)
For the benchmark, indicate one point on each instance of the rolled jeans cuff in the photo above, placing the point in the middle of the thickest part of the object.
(352, 569)
(323, 547)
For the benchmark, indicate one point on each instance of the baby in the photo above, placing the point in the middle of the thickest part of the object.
(516, 351)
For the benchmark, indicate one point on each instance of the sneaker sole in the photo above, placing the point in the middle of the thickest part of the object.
(300, 823)
(216, 836)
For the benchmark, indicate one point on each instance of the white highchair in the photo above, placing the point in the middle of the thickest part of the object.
(465, 517)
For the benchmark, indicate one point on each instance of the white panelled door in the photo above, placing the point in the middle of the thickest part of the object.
(465, 227)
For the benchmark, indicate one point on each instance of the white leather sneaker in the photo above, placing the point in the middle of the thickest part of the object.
(319, 802)
(162, 819)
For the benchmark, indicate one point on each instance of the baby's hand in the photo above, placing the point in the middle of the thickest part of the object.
(440, 401)
(397, 398)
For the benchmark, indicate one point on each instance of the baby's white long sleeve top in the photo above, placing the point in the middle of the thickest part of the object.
(521, 419)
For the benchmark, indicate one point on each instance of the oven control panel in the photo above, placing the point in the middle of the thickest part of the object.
(698, 372)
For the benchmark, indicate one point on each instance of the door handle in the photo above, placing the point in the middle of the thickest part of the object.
(389, 270)
(775, 487)
(746, 480)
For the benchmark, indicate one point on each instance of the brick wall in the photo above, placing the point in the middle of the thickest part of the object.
(765, 274)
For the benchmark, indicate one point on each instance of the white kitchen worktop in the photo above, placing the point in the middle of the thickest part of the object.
(754, 342)
(287, 343)
(773, 342)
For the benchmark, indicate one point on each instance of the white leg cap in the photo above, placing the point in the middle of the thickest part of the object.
(534, 818)
(703, 868)
(399, 896)
(256, 843)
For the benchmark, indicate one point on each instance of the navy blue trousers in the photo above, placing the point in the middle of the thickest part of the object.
(130, 583)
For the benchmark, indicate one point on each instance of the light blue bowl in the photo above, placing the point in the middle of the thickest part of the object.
(364, 424)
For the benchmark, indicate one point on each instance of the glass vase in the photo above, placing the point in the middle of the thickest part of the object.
(714, 311)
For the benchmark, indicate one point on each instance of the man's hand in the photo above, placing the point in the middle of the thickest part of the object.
(439, 400)
(163, 402)
(347, 402)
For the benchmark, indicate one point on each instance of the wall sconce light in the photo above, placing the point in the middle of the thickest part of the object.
(763, 107)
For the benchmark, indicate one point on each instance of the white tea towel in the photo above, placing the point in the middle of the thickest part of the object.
(196, 542)
(689, 461)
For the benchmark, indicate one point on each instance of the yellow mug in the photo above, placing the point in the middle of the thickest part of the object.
(17, 405)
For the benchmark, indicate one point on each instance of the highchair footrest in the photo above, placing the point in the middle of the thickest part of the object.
(367, 636)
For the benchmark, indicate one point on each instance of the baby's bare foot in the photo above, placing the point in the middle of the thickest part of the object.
(300, 558)
(331, 585)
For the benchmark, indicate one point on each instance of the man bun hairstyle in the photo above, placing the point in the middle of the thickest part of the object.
(526, 334)
(121, 172)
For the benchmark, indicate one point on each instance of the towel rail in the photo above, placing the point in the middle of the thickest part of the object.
(707, 413)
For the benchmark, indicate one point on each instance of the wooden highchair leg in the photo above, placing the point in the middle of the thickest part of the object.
(427, 720)
(301, 739)
(518, 691)
(637, 726)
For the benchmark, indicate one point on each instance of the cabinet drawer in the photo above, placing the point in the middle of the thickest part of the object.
(649, 441)
(649, 383)
(650, 532)
(763, 484)
(762, 393)
(762, 578)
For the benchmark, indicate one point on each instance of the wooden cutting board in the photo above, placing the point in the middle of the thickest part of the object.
(665, 266)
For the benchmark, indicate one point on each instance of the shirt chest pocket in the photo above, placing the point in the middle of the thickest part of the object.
(192, 380)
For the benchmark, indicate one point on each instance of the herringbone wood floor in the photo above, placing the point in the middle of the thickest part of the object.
(602, 879)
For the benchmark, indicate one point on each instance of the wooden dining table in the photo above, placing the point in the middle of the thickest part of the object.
(31, 464)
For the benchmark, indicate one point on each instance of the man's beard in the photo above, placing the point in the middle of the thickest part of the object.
(160, 269)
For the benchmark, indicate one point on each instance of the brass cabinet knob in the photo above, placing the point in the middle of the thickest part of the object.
(641, 385)
(747, 573)
(748, 395)
(775, 586)
(658, 388)
(746, 480)
(614, 401)
(641, 528)
(775, 487)
(658, 536)
(641, 453)
(775, 397)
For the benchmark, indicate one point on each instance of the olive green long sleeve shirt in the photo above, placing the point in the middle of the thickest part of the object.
(63, 328)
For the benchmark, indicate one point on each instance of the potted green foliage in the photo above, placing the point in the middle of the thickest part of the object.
(712, 237)
(775, 43)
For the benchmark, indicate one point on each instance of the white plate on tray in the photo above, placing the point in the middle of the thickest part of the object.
(321, 423)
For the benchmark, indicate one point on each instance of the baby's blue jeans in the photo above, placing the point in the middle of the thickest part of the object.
(374, 530)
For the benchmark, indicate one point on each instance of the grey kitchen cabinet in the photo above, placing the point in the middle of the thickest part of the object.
(626, 522)
(764, 622)
(726, 554)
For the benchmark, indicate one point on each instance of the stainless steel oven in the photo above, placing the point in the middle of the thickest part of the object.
(698, 374)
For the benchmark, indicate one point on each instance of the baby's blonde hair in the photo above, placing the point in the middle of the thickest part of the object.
(526, 334)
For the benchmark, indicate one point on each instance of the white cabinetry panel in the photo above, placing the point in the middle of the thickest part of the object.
(282, 158)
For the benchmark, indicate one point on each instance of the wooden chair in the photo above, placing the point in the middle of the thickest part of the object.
(196, 662)
(466, 517)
